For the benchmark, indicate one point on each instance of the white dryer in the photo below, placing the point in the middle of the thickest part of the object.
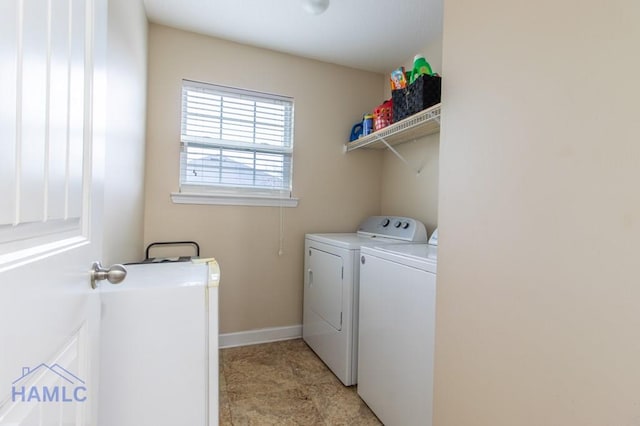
(331, 288)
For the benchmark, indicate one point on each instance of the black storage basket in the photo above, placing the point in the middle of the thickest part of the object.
(421, 94)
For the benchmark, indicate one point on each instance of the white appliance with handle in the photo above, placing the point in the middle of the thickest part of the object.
(331, 286)
(397, 332)
(159, 346)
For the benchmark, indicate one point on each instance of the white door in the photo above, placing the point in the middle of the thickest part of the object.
(52, 78)
(325, 286)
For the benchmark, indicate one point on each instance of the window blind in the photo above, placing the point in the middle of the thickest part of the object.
(235, 140)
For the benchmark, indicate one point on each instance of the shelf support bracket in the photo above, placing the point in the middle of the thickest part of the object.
(397, 154)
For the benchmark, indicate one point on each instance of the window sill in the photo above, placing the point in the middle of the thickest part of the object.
(233, 200)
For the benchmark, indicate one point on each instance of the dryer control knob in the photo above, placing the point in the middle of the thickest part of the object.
(405, 225)
(397, 224)
(385, 222)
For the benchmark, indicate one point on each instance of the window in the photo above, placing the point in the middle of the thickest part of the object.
(236, 146)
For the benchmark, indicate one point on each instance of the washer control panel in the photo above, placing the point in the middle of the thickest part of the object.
(397, 227)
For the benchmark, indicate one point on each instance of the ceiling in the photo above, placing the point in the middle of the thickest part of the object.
(374, 35)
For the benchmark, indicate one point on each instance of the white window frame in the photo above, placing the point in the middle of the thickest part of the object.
(230, 194)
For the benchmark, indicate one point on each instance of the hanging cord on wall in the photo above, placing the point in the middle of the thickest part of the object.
(281, 235)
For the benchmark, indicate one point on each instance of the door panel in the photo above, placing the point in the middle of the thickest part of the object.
(325, 286)
(8, 53)
(51, 122)
(54, 383)
(48, 120)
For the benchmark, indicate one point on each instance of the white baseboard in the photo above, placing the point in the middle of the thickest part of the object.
(264, 335)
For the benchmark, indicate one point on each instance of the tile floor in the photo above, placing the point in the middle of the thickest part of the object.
(285, 383)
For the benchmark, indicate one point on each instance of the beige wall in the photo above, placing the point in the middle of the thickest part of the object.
(125, 139)
(405, 192)
(259, 288)
(538, 318)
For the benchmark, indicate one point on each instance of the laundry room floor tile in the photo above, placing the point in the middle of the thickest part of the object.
(285, 383)
(288, 407)
(341, 405)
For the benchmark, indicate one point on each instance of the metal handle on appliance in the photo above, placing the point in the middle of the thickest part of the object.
(195, 245)
(115, 274)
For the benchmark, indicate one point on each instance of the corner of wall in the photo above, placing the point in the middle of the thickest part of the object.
(403, 192)
(125, 136)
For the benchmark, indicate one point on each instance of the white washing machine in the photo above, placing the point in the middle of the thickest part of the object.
(332, 273)
(397, 332)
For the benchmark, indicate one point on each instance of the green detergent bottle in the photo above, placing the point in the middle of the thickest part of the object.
(420, 66)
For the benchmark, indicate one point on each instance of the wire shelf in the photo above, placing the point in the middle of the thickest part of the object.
(424, 123)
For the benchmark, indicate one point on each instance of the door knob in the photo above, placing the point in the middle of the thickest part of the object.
(115, 274)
